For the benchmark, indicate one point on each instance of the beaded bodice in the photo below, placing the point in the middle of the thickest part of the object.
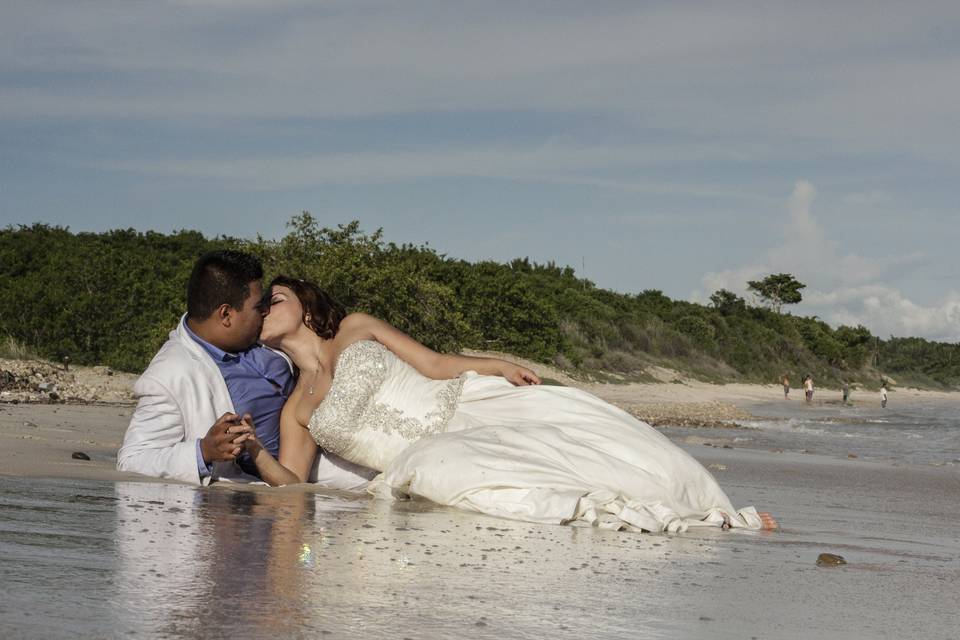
(378, 405)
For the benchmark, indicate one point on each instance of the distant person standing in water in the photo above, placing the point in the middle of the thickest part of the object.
(883, 395)
(845, 387)
(786, 387)
(808, 387)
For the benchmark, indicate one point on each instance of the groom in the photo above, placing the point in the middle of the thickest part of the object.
(209, 373)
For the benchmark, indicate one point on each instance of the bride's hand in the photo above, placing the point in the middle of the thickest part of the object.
(519, 376)
(245, 435)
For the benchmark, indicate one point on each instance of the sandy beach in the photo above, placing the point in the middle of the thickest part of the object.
(316, 562)
(92, 406)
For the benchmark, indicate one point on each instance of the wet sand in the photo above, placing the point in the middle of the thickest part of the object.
(102, 556)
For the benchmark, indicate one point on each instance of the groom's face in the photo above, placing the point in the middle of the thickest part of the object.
(246, 322)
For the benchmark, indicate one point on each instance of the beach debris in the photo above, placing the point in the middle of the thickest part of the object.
(7, 379)
(722, 415)
(830, 560)
(852, 456)
(43, 382)
(79, 455)
(717, 466)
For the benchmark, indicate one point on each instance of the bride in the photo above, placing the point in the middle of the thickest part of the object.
(475, 433)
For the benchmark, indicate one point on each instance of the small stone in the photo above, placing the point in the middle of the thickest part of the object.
(830, 560)
(80, 455)
(728, 446)
(852, 456)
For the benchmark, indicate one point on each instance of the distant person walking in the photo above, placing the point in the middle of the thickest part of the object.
(808, 387)
(845, 387)
(786, 387)
(883, 395)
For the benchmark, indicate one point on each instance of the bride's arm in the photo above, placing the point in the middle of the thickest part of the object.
(439, 366)
(297, 452)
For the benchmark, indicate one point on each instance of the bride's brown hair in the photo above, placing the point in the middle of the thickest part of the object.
(321, 311)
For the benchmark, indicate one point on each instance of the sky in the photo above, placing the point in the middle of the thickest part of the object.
(679, 146)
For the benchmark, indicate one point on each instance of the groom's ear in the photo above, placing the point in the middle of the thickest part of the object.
(223, 314)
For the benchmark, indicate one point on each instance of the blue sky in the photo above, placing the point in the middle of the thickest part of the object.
(677, 146)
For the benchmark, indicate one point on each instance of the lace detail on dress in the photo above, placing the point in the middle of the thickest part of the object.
(391, 420)
(351, 405)
(359, 372)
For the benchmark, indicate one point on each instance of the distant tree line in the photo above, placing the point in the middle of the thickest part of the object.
(111, 298)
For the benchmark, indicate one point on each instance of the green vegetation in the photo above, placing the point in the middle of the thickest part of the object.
(777, 290)
(110, 298)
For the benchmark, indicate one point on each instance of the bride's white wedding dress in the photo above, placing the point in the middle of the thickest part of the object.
(535, 453)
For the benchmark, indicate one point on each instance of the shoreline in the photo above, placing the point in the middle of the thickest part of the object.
(87, 409)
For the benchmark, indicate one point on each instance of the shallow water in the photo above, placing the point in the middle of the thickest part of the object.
(926, 432)
(97, 559)
(101, 559)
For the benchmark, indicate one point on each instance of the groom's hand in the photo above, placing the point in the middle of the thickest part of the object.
(219, 445)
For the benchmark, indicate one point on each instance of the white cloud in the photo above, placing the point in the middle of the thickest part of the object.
(842, 288)
(887, 312)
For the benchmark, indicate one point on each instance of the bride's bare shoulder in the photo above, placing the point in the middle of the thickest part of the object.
(356, 321)
(354, 327)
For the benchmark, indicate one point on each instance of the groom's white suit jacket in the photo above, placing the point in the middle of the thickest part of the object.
(180, 396)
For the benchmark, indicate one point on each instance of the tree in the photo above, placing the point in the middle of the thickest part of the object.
(777, 290)
(727, 302)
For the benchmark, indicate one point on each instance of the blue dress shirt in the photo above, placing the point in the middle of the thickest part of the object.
(259, 382)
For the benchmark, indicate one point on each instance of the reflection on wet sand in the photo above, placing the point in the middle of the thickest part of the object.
(192, 560)
(292, 563)
(83, 558)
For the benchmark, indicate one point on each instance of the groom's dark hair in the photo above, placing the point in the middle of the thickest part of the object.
(221, 277)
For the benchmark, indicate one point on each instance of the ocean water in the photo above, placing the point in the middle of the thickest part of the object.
(910, 431)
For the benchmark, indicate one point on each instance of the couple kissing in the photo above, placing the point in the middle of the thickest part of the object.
(284, 386)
